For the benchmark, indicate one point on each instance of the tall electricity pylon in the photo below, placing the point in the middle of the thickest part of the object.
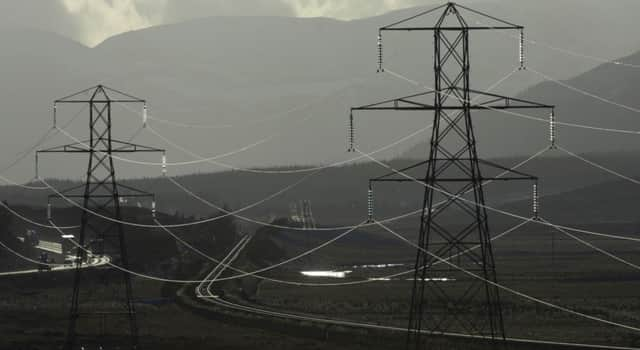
(454, 220)
(101, 315)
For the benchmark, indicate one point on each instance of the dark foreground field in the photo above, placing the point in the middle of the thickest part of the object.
(33, 308)
(535, 260)
(34, 317)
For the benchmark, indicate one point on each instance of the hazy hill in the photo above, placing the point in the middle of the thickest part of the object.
(338, 195)
(500, 134)
(231, 70)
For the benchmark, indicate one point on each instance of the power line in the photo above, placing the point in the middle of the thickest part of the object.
(26, 219)
(509, 214)
(586, 93)
(244, 148)
(440, 260)
(601, 167)
(510, 290)
(303, 317)
(284, 262)
(227, 213)
(28, 151)
(304, 284)
(395, 218)
(308, 252)
(201, 159)
(592, 246)
(574, 53)
(26, 258)
(525, 116)
(275, 117)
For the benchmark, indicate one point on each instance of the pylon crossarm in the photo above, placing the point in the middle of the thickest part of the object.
(133, 191)
(131, 98)
(410, 29)
(500, 101)
(124, 146)
(523, 176)
(454, 179)
(100, 101)
(123, 191)
(67, 192)
(520, 175)
(68, 148)
(414, 103)
(72, 96)
(399, 171)
(405, 101)
(421, 14)
(100, 95)
(449, 108)
(452, 8)
(116, 147)
(102, 196)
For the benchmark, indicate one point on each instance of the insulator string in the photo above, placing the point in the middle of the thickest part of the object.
(55, 115)
(536, 207)
(351, 134)
(380, 53)
(370, 205)
(144, 116)
(552, 128)
(164, 164)
(522, 58)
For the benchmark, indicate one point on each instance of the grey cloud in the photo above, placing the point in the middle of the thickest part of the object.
(181, 10)
(349, 9)
(38, 14)
(92, 21)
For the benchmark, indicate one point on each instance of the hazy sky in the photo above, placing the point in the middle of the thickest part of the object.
(92, 21)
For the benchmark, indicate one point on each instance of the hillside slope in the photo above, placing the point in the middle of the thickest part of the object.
(234, 70)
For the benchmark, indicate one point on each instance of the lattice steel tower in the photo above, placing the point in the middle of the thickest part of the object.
(454, 221)
(101, 315)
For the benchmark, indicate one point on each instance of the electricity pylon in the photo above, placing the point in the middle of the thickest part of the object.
(454, 218)
(102, 315)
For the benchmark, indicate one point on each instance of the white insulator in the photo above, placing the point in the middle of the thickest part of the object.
(552, 128)
(370, 205)
(351, 134)
(49, 216)
(536, 207)
(144, 115)
(380, 53)
(164, 164)
(55, 115)
(521, 51)
(153, 209)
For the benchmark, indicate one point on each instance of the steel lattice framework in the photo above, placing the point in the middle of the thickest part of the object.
(102, 315)
(454, 218)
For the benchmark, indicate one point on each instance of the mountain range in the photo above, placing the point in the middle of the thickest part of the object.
(248, 71)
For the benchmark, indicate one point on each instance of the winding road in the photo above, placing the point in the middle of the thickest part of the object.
(204, 292)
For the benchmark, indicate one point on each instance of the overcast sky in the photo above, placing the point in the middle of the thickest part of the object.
(92, 21)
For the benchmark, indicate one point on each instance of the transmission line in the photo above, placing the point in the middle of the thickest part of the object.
(511, 290)
(592, 246)
(586, 93)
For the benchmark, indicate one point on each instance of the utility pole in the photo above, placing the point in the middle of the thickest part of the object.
(102, 314)
(454, 218)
